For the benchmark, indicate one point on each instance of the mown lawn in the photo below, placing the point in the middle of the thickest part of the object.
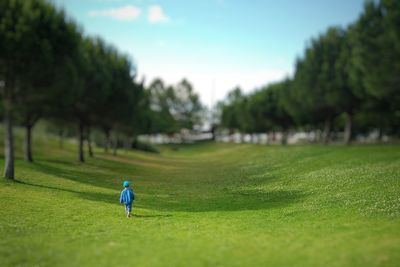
(205, 205)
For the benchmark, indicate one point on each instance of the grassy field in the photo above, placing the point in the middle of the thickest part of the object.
(205, 205)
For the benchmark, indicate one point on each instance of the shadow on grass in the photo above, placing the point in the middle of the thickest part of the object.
(152, 216)
(70, 171)
(57, 161)
(92, 196)
(193, 196)
(225, 201)
(233, 201)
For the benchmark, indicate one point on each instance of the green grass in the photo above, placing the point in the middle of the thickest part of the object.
(205, 205)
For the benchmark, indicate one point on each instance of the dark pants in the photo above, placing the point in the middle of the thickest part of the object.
(128, 207)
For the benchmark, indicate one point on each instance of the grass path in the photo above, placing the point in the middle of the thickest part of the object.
(206, 205)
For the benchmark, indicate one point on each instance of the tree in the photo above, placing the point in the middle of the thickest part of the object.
(353, 93)
(173, 108)
(185, 105)
(319, 81)
(268, 110)
(40, 80)
(259, 110)
(231, 108)
(281, 115)
(375, 59)
(160, 100)
(96, 73)
(124, 96)
(34, 36)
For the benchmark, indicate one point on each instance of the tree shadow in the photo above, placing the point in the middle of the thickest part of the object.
(57, 161)
(69, 171)
(226, 201)
(95, 196)
(152, 216)
(92, 196)
(192, 195)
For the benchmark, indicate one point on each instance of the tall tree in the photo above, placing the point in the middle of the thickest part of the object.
(185, 105)
(172, 108)
(97, 74)
(231, 109)
(41, 79)
(318, 79)
(31, 38)
(281, 114)
(376, 63)
(124, 96)
(160, 98)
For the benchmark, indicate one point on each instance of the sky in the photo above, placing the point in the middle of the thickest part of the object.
(215, 44)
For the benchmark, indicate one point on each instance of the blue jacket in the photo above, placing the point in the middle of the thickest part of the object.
(127, 196)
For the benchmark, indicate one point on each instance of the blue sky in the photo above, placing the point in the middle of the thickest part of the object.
(215, 44)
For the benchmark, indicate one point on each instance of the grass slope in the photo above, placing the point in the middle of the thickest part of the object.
(205, 205)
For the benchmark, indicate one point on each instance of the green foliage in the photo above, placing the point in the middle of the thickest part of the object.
(186, 106)
(259, 108)
(174, 107)
(36, 39)
(161, 118)
(233, 111)
(261, 111)
(376, 53)
(378, 49)
(319, 78)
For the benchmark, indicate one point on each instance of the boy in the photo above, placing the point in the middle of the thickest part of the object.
(127, 198)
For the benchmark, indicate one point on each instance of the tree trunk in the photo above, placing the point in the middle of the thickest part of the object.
(106, 140)
(348, 129)
(89, 142)
(380, 133)
(284, 137)
(128, 144)
(327, 131)
(380, 130)
(271, 137)
(8, 144)
(317, 136)
(213, 133)
(115, 148)
(80, 141)
(28, 143)
(61, 136)
(232, 136)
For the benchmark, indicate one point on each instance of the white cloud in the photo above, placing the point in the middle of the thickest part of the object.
(157, 15)
(127, 13)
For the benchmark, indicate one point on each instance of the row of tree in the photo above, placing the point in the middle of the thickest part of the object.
(345, 76)
(50, 70)
(172, 108)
